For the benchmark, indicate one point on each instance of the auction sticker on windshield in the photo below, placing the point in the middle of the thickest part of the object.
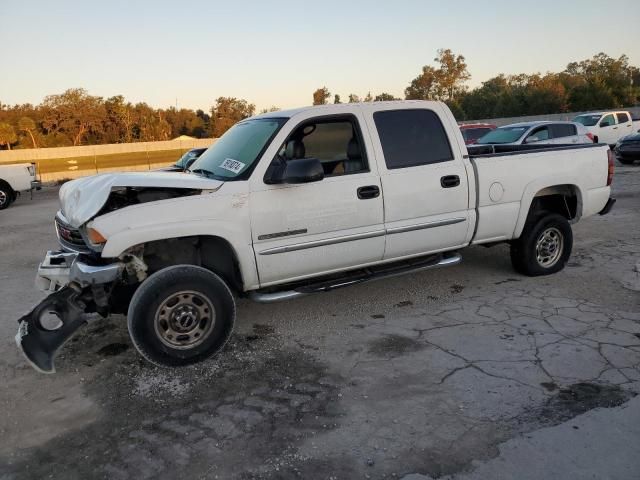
(232, 165)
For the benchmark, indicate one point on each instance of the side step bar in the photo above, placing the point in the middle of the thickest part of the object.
(359, 276)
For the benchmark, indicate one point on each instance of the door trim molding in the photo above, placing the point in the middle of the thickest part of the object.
(361, 236)
(320, 243)
(422, 226)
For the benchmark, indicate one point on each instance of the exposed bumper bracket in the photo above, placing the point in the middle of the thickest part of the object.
(607, 208)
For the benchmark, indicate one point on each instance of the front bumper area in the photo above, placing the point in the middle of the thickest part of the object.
(75, 288)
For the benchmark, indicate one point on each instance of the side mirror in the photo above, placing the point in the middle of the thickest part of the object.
(299, 170)
(531, 139)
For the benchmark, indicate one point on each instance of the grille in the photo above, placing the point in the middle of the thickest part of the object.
(70, 238)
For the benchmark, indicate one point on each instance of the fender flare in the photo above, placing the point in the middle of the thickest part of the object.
(532, 189)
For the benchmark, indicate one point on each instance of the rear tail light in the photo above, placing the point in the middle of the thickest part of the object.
(591, 137)
(612, 167)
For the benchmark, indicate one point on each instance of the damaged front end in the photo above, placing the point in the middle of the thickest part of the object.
(78, 286)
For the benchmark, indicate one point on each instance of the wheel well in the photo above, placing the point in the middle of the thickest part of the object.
(211, 252)
(5, 183)
(562, 199)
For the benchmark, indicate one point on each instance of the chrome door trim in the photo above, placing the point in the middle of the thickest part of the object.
(320, 243)
(360, 236)
(421, 226)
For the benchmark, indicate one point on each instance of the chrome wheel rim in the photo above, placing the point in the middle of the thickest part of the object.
(184, 320)
(3, 198)
(549, 247)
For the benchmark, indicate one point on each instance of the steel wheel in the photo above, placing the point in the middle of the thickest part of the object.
(4, 198)
(549, 247)
(184, 319)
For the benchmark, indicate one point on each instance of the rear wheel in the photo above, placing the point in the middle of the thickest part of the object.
(181, 315)
(544, 246)
(7, 195)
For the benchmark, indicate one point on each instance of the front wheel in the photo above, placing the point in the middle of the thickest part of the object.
(181, 315)
(7, 196)
(544, 246)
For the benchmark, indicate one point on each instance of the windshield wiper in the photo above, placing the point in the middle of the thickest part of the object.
(207, 173)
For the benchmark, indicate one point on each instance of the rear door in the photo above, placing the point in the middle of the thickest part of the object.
(424, 180)
(564, 133)
(625, 125)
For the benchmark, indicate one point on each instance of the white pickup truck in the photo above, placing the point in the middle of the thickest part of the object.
(296, 202)
(15, 179)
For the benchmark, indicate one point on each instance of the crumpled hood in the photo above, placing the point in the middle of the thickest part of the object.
(82, 198)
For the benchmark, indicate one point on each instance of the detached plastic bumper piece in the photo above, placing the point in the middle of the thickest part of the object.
(48, 326)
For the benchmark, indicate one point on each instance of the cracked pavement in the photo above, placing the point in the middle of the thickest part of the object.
(468, 372)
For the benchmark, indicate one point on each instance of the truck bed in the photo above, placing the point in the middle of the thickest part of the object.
(508, 177)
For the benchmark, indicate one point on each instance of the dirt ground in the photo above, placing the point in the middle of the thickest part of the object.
(468, 372)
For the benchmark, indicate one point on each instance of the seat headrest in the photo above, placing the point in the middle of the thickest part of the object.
(294, 149)
(353, 150)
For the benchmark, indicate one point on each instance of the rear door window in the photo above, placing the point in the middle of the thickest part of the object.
(622, 117)
(560, 130)
(411, 138)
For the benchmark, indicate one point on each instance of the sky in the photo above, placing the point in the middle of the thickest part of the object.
(277, 52)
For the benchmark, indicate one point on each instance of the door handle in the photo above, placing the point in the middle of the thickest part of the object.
(370, 191)
(449, 181)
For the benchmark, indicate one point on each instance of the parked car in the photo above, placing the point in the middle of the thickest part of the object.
(296, 202)
(14, 179)
(539, 133)
(471, 132)
(185, 161)
(607, 127)
(627, 149)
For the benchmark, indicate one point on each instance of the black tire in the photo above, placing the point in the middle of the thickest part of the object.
(533, 255)
(7, 195)
(159, 334)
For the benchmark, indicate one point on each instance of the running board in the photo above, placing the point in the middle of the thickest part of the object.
(359, 276)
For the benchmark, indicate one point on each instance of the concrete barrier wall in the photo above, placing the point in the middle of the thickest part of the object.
(72, 162)
(635, 112)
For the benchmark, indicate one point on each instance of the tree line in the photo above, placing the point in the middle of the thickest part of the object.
(75, 117)
(601, 82)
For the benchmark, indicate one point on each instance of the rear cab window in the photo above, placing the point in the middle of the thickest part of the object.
(622, 117)
(412, 137)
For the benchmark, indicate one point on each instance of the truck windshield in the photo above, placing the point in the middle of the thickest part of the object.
(587, 120)
(502, 135)
(237, 150)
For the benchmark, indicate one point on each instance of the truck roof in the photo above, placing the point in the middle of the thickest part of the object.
(340, 107)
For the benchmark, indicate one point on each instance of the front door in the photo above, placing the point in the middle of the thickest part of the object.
(608, 129)
(304, 230)
(424, 179)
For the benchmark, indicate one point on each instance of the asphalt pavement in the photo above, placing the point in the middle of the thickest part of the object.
(470, 372)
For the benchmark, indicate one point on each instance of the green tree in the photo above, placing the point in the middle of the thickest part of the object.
(321, 96)
(336, 99)
(228, 111)
(74, 112)
(7, 135)
(442, 83)
(368, 97)
(353, 98)
(26, 124)
(384, 97)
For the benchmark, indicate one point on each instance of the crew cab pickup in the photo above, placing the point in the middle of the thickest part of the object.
(296, 202)
(15, 179)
